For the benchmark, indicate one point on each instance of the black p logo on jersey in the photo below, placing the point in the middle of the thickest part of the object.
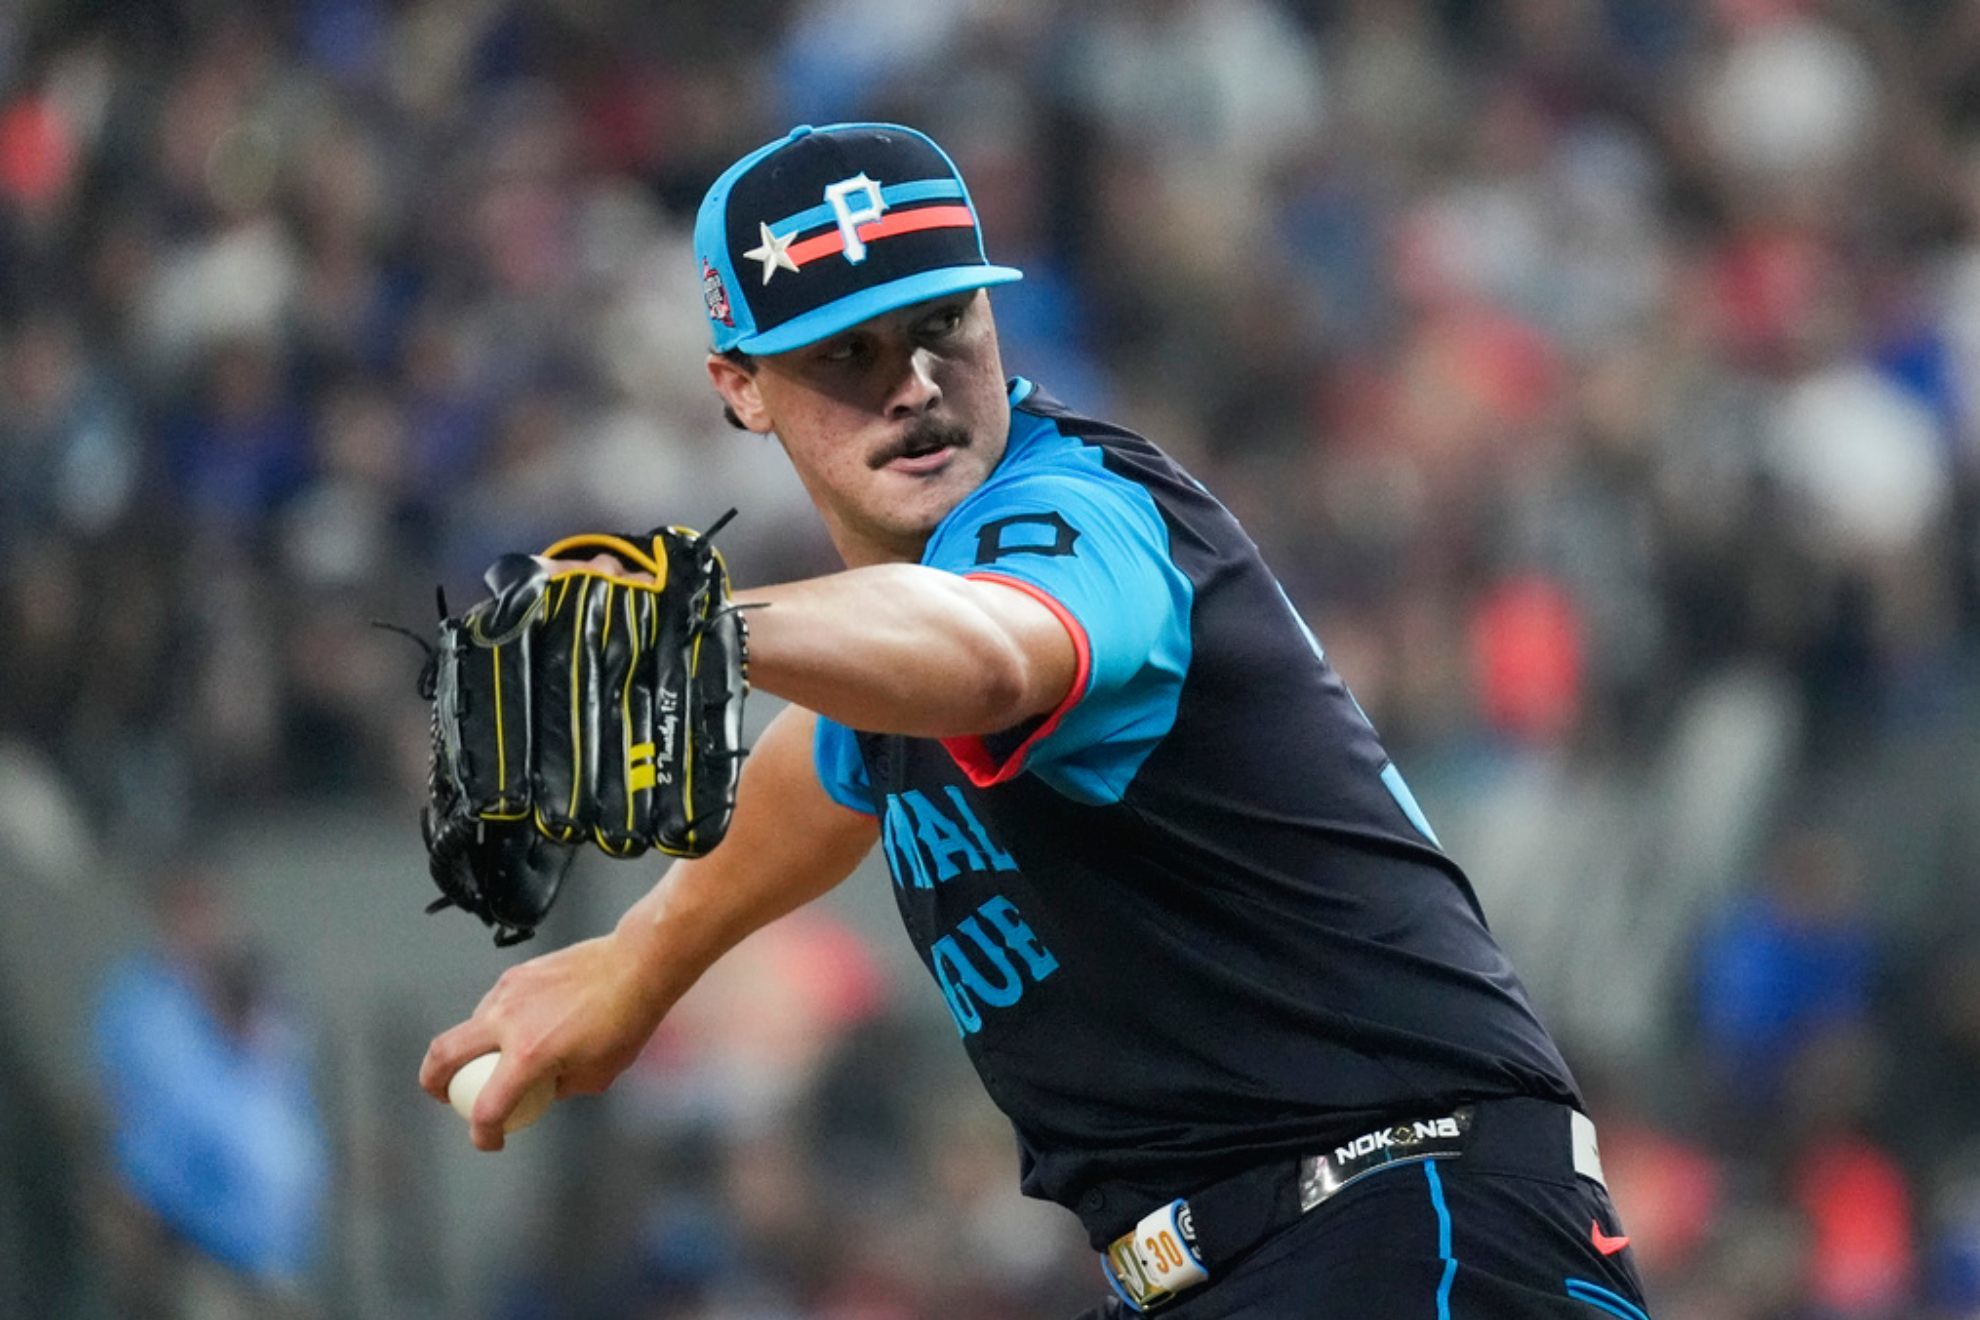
(1025, 534)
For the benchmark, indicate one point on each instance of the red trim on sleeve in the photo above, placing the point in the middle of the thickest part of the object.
(968, 752)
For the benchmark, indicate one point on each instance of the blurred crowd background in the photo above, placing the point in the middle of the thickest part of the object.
(1602, 377)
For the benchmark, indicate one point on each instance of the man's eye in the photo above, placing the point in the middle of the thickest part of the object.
(943, 324)
(852, 350)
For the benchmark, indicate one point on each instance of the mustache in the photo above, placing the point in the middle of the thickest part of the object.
(924, 437)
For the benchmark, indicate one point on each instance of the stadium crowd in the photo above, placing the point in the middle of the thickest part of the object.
(1564, 355)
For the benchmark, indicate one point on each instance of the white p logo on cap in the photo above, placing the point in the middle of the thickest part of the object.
(851, 219)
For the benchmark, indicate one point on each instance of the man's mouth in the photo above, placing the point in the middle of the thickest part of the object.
(923, 449)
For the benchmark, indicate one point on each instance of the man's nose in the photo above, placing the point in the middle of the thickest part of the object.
(916, 391)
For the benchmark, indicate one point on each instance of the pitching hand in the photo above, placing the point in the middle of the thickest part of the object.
(579, 1014)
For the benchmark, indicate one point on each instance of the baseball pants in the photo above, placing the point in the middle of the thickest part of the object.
(1432, 1240)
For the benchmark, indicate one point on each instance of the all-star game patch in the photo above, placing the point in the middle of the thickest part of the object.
(715, 295)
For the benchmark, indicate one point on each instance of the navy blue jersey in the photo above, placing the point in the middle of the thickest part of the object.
(1192, 919)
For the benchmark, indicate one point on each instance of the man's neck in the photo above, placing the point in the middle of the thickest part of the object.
(861, 551)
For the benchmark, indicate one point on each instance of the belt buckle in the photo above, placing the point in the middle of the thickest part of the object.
(1149, 1265)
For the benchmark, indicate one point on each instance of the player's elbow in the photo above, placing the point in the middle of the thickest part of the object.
(1003, 694)
(1009, 686)
(1024, 661)
(970, 664)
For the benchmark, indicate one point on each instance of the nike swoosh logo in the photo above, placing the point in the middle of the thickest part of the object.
(1605, 1244)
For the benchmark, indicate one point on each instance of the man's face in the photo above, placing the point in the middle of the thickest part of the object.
(889, 424)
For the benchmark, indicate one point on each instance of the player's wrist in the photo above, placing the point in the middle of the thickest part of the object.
(657, 950)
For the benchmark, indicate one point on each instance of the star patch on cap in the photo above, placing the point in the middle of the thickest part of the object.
(774, 252)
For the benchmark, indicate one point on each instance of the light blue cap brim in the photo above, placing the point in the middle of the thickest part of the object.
(824, 322)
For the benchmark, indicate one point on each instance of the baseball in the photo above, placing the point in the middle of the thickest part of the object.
(474, 1074)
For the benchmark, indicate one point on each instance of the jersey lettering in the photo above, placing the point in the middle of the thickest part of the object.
(926, 846)
(965, 985)
(1003, 914)
(946, 844)
(1046, 534)
(904, 861)
(999, 859)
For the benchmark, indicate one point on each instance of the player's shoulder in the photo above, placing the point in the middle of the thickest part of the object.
(1088, 468)
(1052, 447)
(1056, 466)
(1036, 415)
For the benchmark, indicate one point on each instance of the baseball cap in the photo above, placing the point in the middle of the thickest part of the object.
(826, 227)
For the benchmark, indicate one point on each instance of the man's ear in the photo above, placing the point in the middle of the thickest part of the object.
(739, 392)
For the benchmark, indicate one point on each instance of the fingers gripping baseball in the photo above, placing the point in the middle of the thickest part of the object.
(577, 1016)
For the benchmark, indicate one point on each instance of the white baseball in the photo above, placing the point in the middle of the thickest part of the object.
(474, 1074)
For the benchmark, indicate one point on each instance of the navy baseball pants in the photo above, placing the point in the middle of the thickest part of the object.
(1432, 1240)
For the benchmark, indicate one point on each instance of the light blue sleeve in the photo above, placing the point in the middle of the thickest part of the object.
(841, 769)
(1094, 548)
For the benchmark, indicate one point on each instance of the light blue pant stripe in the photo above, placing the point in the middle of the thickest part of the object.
(1589, 1299)
(1443, 1239)
(1597, 1296)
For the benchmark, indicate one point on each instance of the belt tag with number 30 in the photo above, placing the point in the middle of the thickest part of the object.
(1158, 1259)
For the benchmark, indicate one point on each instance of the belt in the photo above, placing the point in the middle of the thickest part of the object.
(1185, 1243)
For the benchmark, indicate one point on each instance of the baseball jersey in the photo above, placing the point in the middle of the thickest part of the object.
(1192, 919)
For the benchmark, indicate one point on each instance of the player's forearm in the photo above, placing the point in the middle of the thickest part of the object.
(700, 910)
(788, 844)
(901, 648)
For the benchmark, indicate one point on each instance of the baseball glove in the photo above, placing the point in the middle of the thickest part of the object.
(597, 701)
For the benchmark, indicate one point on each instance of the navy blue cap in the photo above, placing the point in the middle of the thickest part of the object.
(826, 227)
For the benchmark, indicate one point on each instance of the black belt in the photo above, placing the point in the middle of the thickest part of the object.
(1188, 1241)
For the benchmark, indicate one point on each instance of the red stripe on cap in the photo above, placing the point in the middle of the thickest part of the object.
(969, 753)
(887, 226)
